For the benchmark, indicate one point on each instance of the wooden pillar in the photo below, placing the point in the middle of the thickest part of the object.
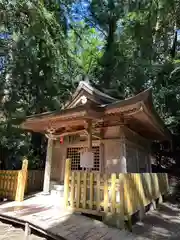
(137, 161)
(47, 173)
(123, 162)
(149, 164)
(102, 163)
(90, 135)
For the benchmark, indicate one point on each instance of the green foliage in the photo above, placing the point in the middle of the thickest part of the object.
(38, 76)
(85, 46)
(124, 46)
(140, 51)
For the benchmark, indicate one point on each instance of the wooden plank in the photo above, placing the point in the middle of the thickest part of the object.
(72, 189)
(102, 164)
(156, 186)
(166, 183)
(127, 204)
(85, 189)
(105, 193)
(136, 191)
(140, 200)
(98, 181)
(78, 189)
(121, 190)
(113, 193)
(90, 135)
(22, 178)
(121, 209)
(148, 195)
(66, 180)
(91, 190)
(11, 185)
(4, 184)
(152, 186)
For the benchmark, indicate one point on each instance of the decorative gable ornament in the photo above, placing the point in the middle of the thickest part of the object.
(85, 92)
(83, 100)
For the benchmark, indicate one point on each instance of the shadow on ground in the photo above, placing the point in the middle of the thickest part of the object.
(60, 223)
(163, 223)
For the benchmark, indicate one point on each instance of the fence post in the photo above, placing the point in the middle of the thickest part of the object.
(140, 197)
(21, 184)
(166, 182)
(121, 191)
(66, 181)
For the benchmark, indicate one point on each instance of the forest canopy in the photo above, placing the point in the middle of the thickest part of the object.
(47, 47)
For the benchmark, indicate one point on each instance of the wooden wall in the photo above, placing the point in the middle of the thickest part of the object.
(112, 151)
(58, 161)
(112, 155)
(138, 152)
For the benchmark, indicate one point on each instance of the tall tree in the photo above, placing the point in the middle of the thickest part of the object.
(39, 72)
(85, 46)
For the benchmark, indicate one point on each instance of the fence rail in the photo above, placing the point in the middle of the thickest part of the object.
(14, 184)
(115, 196)
(8, 184)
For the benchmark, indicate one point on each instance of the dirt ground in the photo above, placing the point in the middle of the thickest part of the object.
(162, 223)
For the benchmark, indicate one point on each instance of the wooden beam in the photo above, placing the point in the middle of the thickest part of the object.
(90, 135)
(70, 133)
(123, 159)
(96, 136)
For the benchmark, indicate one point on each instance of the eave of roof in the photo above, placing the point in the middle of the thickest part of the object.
(141, 97)
(142, 101)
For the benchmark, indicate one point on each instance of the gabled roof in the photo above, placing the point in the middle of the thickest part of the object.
(91, 93)
(137, 111)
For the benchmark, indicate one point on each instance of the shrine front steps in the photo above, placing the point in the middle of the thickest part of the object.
(57, 190)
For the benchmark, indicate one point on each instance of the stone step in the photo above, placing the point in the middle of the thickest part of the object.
(57, 193)
(59, 187)
(57, 190)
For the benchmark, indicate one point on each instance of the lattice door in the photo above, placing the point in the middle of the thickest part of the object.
(74, 154)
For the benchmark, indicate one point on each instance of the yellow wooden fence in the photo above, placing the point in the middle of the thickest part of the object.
(12, 183)
(8, 184)
(116, 196)
(15, 183)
